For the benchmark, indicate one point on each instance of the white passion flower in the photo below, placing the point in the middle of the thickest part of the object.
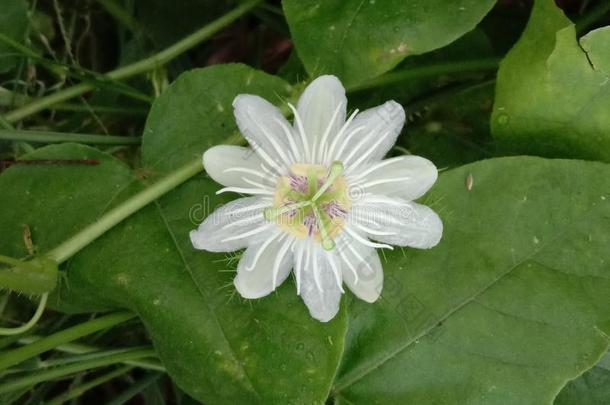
(321, 194)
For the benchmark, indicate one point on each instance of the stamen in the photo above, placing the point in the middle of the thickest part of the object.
(310, 223)
(334, 210)
(335, 171)
(272, 213)
(298, 183)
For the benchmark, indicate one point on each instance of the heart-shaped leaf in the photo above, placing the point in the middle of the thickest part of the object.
(513, 302)
(360, 39)
(553, 90)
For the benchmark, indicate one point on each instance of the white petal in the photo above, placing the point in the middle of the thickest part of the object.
(318, 283)
(397, 222)
(362, 270)
(261, 123)
(255, 271)
(407, 177)
(377, 129)
(233, 226)
(236, 166)
(322, 104)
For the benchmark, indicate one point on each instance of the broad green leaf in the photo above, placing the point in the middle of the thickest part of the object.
(360, 39)
(197, 113)
(591, 388)
(13, 24)
(510, 305)
(216, 346)
(553, 90)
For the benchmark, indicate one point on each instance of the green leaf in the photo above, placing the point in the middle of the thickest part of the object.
(591, 388)
(510, 305)
(13, 24)
(360, 39)
(553, 91)
(197, 113)
(216, 346)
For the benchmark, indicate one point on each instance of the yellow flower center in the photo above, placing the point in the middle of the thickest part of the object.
(312, 201)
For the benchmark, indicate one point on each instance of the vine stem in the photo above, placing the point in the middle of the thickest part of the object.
(56, 137)
(136, 68)
(16, 356)
(77, 242)
(29, 324)
(58, 372)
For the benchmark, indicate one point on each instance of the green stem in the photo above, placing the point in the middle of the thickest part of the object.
(16, 356)
(37, 276)
(30, 324)
(71, 246)
(136, 68)
(58, 372)
(81, 348)
(120, 14)
(75, 392)
(57, 137)
(12, 99)
(419, 72)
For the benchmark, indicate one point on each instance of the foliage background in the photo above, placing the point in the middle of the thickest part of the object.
(510, 98)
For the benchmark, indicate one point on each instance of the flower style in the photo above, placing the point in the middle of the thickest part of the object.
(322, 197)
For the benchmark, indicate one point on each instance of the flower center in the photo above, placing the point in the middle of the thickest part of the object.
(312, 201)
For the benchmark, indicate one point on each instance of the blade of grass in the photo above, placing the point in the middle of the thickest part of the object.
(81, 348)
(135, 389)
(134, 69)
(63, 371)
(57, 137)
(16, 356)
(77, 391)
